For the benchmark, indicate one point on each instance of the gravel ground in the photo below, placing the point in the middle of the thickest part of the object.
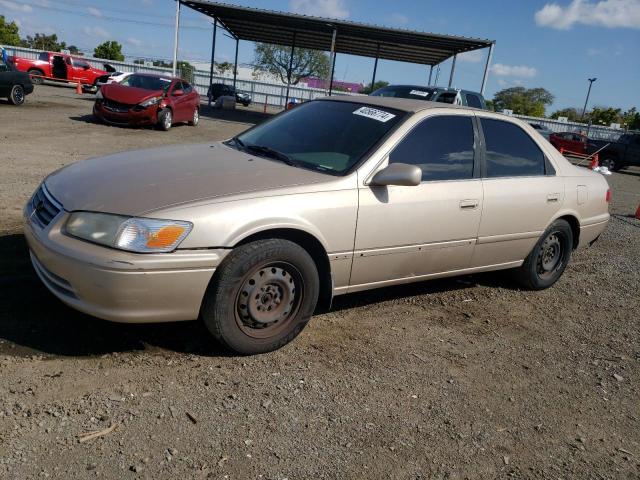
(460, 378)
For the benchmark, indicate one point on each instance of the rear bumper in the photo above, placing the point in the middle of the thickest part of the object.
(116, 285)
(590, 233)
(28, 88)
(148, 116)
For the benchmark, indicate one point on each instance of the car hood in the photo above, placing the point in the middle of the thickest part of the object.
(138, 182)
(129, 95)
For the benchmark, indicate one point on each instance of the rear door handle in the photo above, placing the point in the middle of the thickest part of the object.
(553, 197)
(469, 204)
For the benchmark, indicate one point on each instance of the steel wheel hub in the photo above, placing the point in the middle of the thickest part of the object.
(267, 297)
(551, 254)
(19, 95)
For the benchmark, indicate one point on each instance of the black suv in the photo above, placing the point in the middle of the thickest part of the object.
(454, 96)
(221, 90)
(14, 85)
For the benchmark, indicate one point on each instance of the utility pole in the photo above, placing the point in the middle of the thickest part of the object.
(591, 80)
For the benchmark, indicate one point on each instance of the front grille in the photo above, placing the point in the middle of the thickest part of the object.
(42, 207)
(116, 106)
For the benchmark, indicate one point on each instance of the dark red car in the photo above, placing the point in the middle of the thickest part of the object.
(148, 99)
(570, 142)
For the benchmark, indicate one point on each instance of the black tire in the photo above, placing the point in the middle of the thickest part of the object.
(246, 104)
(36, 80)
(16, 96)
(195, 119)
(284, 279)
(165, 119)
(611, 163)
(548, 259)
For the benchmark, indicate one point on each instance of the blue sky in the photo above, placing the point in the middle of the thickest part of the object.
(555, 44)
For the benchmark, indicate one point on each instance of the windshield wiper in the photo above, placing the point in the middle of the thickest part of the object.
(270, 152)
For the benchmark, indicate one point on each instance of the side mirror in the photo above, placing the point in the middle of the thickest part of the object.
(178, 93)
(86, 67)
(401, 174)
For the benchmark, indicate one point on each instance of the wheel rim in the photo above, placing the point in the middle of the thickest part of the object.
(196, 116)
(18, 95)
(167, 119)
(551, 255)
(269, 299)
(610, 163)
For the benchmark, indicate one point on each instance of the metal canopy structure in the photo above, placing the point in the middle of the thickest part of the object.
(337, 36)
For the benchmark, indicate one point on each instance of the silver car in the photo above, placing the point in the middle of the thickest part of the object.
(338, 195)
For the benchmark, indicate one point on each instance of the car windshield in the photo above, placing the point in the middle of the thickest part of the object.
(418, 93)
(321, 135)
(147, 83)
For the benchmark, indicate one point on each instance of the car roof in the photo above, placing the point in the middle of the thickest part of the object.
(155, 75)
(431, 87)
(403, 104)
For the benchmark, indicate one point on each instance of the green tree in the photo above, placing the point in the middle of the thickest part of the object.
(274, 59)
(224, 67)
(110, 50)
(40, 41)
(631, 119)
(524, 101)
(572, 114)
(9, 33)
(605, 115)
(490, 105)
(368, 88)
(185, 71)
(74, 50)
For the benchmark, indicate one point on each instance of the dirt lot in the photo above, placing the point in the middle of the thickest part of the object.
(463, 378)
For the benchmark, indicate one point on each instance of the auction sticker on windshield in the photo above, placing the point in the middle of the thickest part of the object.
(419, 93)
(374, 113)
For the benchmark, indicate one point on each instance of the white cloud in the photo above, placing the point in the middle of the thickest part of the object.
(98, 32)
(320, 8)
(134, 41)
(518, 71)
(603, 13)
(95, 12)
(399, 19)
(15, 7)
(472, 57)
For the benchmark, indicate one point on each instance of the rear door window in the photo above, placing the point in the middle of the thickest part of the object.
(43, 57)
(510, 151)
(474, 101)
(442, 146)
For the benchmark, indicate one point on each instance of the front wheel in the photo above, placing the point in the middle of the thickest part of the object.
(195, 119)
(165, 119)
(611, 163)
(548, 259)
(17, 95)
(262, 296)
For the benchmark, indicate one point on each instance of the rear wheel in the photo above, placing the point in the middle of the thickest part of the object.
(17, 95)
(548, 259)
(262, 297)
(165, 119)
(38, 80)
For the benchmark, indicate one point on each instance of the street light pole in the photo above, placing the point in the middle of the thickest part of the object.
(591, 80)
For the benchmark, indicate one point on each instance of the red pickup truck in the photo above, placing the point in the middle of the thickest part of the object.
(58, 66)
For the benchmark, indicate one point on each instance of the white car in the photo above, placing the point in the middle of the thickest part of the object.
(115, 77)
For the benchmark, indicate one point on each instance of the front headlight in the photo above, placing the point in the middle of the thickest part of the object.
(141, 235)
(151, 101)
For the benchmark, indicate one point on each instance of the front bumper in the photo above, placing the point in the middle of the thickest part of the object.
(147, 116)
(116, 285)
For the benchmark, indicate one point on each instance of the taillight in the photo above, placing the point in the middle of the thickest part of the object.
(608, 197)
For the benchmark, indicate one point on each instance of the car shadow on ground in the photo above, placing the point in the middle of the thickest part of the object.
(32, 320)
(239, 115)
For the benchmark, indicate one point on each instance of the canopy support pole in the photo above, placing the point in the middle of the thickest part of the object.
(453, 69)
(486, 69)
(333, 68)
(430, 74)
(235, 67)
(375, 67)
(332, 60)
(213, 56)
(175, 39)
(293, 48)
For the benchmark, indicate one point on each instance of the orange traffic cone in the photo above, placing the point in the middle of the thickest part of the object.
(638, 213)
(594, 162)
(561, 151)
(78, 88)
